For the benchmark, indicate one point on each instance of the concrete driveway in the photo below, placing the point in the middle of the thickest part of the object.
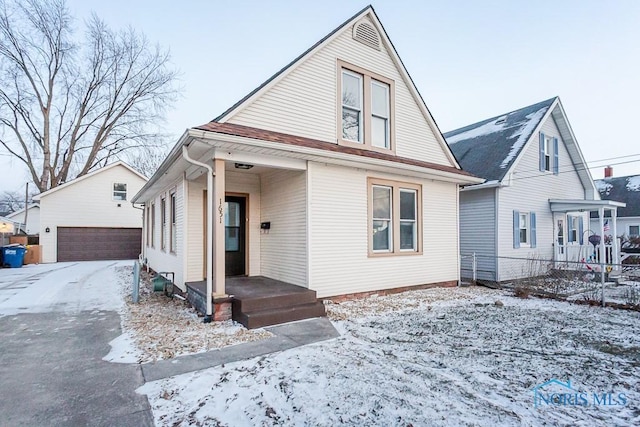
(56, 321)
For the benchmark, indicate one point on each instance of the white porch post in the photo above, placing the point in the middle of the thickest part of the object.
(603, 255)
(614, 230)
(218, 229)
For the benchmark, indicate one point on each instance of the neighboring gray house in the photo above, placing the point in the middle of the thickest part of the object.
(537, 195)
(623, 189)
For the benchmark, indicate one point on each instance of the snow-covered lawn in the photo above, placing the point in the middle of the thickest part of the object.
(453, 357)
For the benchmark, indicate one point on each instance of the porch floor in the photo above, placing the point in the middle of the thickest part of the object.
(259, 301)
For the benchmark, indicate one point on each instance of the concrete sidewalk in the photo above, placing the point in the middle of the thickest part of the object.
(287, 336)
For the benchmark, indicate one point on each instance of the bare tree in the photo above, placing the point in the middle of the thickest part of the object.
(147, 160)
(67, 106)
(11, 201)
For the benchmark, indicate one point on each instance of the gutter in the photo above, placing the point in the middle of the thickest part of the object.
(185, 155)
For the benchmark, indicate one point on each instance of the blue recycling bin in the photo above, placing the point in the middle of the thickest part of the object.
(13, 256)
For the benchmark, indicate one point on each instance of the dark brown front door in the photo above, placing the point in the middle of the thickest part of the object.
(235, 221)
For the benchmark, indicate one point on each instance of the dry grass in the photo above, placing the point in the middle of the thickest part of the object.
(381, 304)
(165, 327)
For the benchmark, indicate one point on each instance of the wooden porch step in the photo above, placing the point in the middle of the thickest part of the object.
(271, 302)
(274, 316)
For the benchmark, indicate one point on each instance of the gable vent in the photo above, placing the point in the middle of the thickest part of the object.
(365, 33)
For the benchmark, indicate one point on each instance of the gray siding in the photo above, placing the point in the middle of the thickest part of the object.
(478, 231)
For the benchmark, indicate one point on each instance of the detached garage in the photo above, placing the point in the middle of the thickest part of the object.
(92, 218)
(98, 243)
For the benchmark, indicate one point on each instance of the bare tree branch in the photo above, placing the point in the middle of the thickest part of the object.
(70, 105)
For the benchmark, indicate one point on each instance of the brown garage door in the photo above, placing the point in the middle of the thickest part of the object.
(98, 243)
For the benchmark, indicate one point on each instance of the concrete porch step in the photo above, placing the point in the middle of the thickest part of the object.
(274, 316)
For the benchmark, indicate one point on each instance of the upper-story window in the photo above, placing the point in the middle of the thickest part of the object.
(119, 191)
(549, 154)
(366, 109)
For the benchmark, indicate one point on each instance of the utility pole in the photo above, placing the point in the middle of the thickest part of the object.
(26, 205)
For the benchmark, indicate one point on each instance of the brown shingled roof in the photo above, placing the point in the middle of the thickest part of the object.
(283, 138)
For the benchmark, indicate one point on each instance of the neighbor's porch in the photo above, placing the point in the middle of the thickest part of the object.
(574, 241)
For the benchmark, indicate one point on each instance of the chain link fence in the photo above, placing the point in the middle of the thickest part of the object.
(585, 281)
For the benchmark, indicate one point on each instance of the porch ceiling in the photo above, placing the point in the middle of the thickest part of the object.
(560, 205)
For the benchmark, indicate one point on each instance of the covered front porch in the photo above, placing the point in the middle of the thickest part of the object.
(575, 242)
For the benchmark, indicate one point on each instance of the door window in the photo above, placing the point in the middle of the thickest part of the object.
(232, 226)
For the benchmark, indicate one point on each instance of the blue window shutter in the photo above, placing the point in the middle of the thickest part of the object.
(542, 152)
(580, 230)
(532, 232)
(556, 164)
(516, 229)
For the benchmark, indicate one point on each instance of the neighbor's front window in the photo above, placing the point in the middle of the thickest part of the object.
(394, 217)
(573, 228)
(119, 191)
(524, 228)
(634, 230)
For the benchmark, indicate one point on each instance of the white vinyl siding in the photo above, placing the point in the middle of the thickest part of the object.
(88, 202)
(339, 234)
(160, 258)
(236, 182)
(284, 247)
(478, 231)
(304, 102)
(529, 190)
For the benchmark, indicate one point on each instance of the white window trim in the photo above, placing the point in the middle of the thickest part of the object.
(114, 191)
(548, 154)
(527, 227)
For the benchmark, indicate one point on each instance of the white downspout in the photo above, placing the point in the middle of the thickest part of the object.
(185, 155)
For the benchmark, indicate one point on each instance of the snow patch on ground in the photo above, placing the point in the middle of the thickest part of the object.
(123, 350)
(462, 360)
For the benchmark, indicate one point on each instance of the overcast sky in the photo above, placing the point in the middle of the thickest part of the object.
(470, 60)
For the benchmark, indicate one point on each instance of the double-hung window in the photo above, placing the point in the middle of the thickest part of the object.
(119, 191)
(366, 108)
(172, 226)
(524, 229)
(163, 223)
(394, 217)
(634, 231)
(153, 225)
(549, 154)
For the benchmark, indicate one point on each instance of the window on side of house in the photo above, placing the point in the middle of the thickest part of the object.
(547, 153)
(172, 217)
(366, 109)
(634, 231)
(524, 229)
(395, 214)
(148, 224)
(119, 191)
(153, 225)
(163, 223)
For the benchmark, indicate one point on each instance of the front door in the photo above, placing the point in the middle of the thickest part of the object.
(235, 221)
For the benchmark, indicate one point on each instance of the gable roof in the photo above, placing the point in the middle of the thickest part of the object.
(18, 212)
(490, 148)
(89, 175)
(624, 189)
(366, 11)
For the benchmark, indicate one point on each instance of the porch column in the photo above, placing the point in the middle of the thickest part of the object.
(218, 229)
(615, 255)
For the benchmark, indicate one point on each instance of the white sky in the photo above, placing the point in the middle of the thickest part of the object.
(471, 60)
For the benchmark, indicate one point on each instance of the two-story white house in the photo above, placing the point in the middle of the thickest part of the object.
(331, 176)
(538, 192)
